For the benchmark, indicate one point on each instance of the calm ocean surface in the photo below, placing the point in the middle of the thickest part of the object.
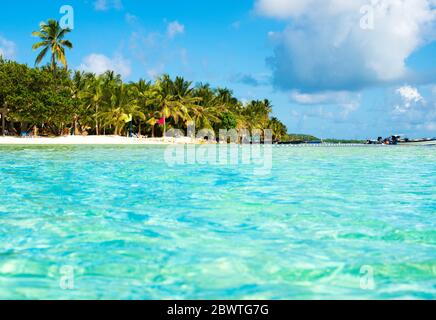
(119, 223)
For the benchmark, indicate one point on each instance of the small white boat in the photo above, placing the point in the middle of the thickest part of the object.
(401, 140)
(417, 142)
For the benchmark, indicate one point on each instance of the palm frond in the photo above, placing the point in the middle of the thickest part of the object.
(66, 43)
(40, 44)
(41, 56)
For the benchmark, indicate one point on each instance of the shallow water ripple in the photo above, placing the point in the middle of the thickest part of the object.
(134, 228)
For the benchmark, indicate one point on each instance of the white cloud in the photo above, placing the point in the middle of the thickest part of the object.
(411, 98)
(410, 94)
(324, 46)
(281, 8)
(104, 5)
(7, 48)
(346, 101)
(99, 63)
(175, 28)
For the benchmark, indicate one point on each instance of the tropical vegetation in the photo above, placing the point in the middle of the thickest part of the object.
(52, 100)
(89, 104)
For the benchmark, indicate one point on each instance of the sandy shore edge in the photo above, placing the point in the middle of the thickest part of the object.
(96, 140)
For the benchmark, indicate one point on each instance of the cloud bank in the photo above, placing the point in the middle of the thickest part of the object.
(336, 45)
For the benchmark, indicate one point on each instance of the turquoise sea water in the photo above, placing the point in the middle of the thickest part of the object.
(122, 224)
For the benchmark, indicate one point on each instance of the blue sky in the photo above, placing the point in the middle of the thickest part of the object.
(333, 68)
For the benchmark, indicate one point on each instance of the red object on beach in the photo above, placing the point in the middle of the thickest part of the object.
(161, 121)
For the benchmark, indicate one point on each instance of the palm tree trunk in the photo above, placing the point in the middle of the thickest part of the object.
(96, 120)
(53, 63)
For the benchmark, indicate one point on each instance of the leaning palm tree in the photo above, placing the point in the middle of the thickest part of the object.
(52, 39)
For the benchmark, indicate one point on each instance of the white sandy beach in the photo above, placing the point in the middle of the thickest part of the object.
(95, 140)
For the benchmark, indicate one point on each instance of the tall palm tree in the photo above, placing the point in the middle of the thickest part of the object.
(78, 85)
(174, 99)
(52, 39)
(145, 96)
(206, 113)
(123, 107)
(93, 96)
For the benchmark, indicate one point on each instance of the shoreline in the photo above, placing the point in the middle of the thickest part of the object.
(96, 140)
(125, 141)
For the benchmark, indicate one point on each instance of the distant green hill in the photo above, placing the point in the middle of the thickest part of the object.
(299, 138)
(302, 138)
(344, 141)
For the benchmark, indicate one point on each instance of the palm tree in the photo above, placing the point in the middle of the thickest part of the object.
(206, 113)
(52, 39)
(78, 85)
(123, 107)
(230, 104)
(278, 128)
(174, 99)
(145, 99)
(94, 98)
(257, 113)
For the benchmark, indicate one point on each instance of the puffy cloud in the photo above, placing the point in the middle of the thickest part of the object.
(174, 28)
(411, 99)
(7, 48)
(104, 5)
(410, 94)
(412, 112)
(99, 63)
(331, 44)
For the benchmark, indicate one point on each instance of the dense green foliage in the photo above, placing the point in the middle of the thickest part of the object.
(35, 97)
(56, 102)
(299, 138)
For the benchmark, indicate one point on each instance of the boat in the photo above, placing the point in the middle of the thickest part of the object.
(417, 142)
(401, 140)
